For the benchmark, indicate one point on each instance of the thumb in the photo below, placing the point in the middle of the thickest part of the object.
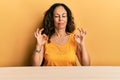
(45, 36)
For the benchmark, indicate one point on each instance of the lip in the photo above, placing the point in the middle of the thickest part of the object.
(61, 23)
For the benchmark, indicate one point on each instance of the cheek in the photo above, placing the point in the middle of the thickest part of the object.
(55, 20)
(66, 21)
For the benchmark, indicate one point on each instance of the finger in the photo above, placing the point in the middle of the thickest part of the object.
(37, 31)
(45, 36)
(76, 35)
(83, 30)
(35, 34)
(41, 30)
(79, 29)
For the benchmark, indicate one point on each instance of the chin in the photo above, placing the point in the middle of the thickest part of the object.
(61, 27)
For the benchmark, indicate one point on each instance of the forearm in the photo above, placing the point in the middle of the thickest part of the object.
(38, 56)
(85, 59)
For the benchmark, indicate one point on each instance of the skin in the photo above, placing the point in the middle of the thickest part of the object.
(82, 53)
(60, 37)
(60, 21)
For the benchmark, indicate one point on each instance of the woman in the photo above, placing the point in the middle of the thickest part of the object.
(57, 45)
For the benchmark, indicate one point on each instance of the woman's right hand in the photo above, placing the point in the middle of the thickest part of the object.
(41, 38)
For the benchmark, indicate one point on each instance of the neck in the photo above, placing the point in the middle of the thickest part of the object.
(60, 33)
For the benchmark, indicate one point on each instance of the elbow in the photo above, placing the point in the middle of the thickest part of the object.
(85, 63)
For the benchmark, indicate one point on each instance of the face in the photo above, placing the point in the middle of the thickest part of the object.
(60, 17)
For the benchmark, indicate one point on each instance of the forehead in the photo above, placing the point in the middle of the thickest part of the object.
(59, 10)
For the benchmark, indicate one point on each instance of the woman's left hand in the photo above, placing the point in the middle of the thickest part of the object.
(79, 38)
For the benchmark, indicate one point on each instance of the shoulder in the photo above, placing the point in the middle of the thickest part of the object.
(72, 39)
(71, 36)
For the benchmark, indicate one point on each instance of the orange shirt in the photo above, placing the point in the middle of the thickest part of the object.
(61, 55)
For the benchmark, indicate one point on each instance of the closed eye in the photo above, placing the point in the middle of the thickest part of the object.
(56, 16)
(64, 16)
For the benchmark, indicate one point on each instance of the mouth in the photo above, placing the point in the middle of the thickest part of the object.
(60, 23)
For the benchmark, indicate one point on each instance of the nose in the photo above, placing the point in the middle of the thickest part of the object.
(60, 18)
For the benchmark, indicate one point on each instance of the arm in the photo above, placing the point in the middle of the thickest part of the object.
(81, 51)
(83, 55)
(37, 57)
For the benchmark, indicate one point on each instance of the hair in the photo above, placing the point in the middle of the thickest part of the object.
(48, 21)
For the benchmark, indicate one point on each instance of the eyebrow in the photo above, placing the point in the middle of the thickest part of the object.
(58, 13)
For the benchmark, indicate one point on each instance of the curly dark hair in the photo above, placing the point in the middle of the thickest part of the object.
(48, 21)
